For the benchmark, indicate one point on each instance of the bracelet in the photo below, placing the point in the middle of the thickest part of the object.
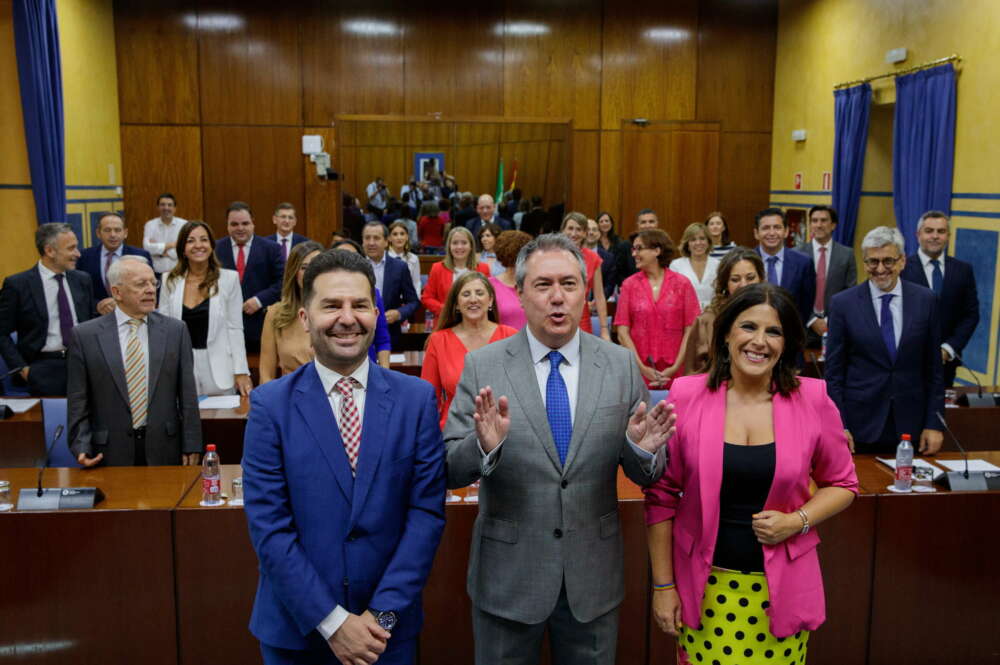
(664, 587)
(805, 522)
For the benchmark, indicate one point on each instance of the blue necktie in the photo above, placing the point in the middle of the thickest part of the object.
(888, 330)
(772, 270)
(936, 277)
(557, 407)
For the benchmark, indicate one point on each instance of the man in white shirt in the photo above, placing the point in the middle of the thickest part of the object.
(834, 265)
(284, 223)
(378, 196)
(343, 471)
(159, 236)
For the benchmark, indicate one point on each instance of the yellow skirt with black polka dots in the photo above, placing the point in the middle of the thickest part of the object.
(735, 628)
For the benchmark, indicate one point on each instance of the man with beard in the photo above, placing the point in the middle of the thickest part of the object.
(344, 483)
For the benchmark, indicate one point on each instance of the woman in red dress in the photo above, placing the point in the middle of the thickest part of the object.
(459, 257)
(574, 227)
(468, 322)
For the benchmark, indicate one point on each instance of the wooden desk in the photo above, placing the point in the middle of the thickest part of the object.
(93, 586)
(22, 438)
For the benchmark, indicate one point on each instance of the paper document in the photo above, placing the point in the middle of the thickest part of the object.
(974, 465)
(917, 464)
(397, 358)
(18, 405)
(220, 402)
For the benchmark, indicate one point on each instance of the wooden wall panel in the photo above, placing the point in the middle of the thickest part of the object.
(454, 58)
(476, 168)
(157, 52)
(390, 162)
(736, 56)
(557, 174)
(157, 159)
(532, 159)
(352, 59)
(744, 181)
(259, 165)
(609, 180)
(250, 63)
(583, 172)
(650, 61)
(552, 60)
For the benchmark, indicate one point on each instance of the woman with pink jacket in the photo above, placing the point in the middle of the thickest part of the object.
(731, 523)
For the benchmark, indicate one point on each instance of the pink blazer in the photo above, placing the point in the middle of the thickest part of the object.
(809, 442)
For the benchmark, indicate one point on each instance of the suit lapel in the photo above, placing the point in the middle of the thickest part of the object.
(915, 268)
(80, 303)
(111, 348)
(867, 310)
(521, 374)
(157, 334)
(908, 303)
(314, 408)
(586, 396)
(711, 443)
(374, 424)
(38, 295)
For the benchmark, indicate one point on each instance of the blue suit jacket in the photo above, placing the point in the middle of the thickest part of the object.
(861, 379)
(325, 538)
(296, 239)
(90, 263)
(476, 223)
(398, 293)
(798, 277)
(262, 278)
(958, 305)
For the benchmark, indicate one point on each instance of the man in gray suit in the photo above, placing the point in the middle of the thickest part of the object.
(546, 548)
(835, 269)
(132, 399)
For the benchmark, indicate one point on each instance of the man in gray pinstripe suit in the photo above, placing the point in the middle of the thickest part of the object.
(544, 418)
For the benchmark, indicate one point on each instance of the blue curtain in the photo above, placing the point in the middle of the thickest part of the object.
(923, 146)
(36, 39)
(852, 108)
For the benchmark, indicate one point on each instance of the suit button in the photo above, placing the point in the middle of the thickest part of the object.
(564, 484)
(557, 533)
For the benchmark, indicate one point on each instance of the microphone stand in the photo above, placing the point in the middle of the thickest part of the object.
(57, 498)
(962, 480)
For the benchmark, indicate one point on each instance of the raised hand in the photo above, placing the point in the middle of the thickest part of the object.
(650, 430)
(492, 419)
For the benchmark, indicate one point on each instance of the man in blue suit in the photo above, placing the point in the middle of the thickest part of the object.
(259, 264)
(486, 211)
(97, 260)
(392, 278)
(285, 236)
(883, 362)
(953, 283)
(343, 469)
(788, 269)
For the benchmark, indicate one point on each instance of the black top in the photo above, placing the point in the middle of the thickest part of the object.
(196, 319)
(747, 472)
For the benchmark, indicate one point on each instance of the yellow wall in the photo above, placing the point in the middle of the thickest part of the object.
(825, 42)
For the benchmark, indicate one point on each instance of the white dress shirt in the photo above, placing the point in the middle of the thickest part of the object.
(925, 261)
(50, 286)
(829, 250)
(236, 251)
(286, 248)
(704, 288)
(124, 332)
(117, 254)
(379, 268)
(895, 306)
(328, 377)
(155, 236)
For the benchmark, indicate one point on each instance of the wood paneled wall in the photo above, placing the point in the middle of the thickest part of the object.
(227, 87)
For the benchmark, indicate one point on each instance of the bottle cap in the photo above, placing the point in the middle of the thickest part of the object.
(904, 437)
(210, 448)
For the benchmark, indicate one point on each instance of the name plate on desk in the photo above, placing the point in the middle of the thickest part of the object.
(978, 481)
(59, 498)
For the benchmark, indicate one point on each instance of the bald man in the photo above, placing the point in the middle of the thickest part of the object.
(486, 210)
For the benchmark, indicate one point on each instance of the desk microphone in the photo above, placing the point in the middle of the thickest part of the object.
(57, 498)
(48, 453)
(979, 399)
(954, 438)
(966, 481)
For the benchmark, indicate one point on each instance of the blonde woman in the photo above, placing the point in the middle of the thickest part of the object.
(459, 258)
(696, 264)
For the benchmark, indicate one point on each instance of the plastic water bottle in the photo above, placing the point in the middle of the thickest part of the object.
(904, 464)
(211, 480)
(428, 321)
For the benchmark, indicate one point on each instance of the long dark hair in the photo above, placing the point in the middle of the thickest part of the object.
(450, 316)
(726, 265)
(784, 376)
(724, 239)
(210, 285)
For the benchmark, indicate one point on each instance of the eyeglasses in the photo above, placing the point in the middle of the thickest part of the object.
(638, 248)
(888, 262)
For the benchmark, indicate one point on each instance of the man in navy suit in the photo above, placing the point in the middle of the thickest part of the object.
(259, 264)
(953, 283)
(392, 278)
(790, 270)
(97, 260)
(285, 237)
(883, 362)
(487, 212)
(343, 469)
(42, 304)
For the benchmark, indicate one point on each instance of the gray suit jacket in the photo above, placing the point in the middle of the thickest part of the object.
(842, 272)
(99, 415)
(539, 522)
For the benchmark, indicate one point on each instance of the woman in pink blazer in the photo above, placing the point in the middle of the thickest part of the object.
(733, 551)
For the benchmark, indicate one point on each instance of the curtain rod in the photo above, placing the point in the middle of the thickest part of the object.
(909, 70)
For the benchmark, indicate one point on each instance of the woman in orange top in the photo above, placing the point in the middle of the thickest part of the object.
(459, 258)
(468, 322)
(574, 227)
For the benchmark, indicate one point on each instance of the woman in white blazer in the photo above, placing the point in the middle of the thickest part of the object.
(696, 264)
(208, 298)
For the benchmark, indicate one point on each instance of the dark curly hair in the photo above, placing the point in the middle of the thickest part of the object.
(508, 245)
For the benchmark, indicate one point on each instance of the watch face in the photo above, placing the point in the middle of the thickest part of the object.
(387, 620)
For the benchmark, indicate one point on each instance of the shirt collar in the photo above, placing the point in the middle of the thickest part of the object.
(45, 272)
(539, 352)
(246, 244)
(121, 318)
(380, 262)
(817, 244)
(878, 293)
(281, 236)
(117, 252)
(925, 260)
(329, 377)
(764, 255)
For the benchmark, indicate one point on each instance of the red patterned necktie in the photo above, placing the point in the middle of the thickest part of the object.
(241, 261)
(350, 421)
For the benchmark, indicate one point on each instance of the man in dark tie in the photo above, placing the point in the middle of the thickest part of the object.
(790, 270)
(42, 304)
(285, 236)
(258, 262)
(953, 283)
(883, 361)
(834, 265)
(97, 260)
(392, 279)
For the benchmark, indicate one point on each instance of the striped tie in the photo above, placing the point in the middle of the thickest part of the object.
(135, 375)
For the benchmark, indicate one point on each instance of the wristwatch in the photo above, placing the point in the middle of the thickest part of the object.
(386, 619)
